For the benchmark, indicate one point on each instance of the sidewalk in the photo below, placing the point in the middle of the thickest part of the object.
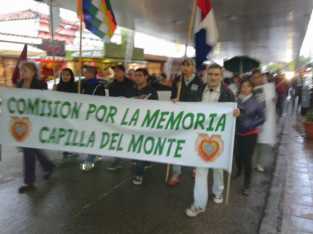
(290, 202)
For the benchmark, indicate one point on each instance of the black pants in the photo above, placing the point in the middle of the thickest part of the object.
(30, 156)
(246, 146)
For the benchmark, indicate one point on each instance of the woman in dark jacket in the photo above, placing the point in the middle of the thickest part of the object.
(67, 84)
(30, 80)
(251, 117)
(67, 81)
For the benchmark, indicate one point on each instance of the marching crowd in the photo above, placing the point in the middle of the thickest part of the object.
(256, 94)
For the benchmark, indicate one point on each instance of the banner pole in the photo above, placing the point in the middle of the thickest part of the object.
(168, 166)
(80, 52)
(228, 188)
(233, 148)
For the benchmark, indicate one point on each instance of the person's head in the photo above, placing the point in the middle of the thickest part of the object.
(141, 77)
(28, 71)
(188, 67)
(90, 72)
(257, 77)
(67, 76)
(131, 74)
(119, 72)
(236, 79)
(246, 88)
(107, 73)
(215, 75)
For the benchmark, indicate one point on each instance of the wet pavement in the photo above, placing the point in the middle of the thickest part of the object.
(298, 195)
(104, 202)
(100, 201)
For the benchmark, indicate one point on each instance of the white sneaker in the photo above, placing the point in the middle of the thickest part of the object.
(218, 199)
(259, 168)
(194, 211)
(137, 180)
(87, 166)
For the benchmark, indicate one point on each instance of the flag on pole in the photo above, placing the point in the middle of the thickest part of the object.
(98, 16)
(206, 34)
(16, 73)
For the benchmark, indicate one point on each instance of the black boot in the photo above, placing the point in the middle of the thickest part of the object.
(26, 188)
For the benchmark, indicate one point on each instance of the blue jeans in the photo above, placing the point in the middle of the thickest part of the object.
(91, 158)
(140, 168)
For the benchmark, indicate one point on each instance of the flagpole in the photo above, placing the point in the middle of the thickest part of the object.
(191, 25)
(80, 51)
(179, 85)
(52, 41)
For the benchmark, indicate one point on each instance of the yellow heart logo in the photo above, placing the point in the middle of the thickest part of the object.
(209, 148)
(20, 128)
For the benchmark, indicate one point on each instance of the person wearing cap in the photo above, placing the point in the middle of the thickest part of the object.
(214, 91)
(120, 87)
(91, 85)
(190, 87)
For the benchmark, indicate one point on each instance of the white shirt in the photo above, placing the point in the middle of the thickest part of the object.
(188, 81)
(211, 95)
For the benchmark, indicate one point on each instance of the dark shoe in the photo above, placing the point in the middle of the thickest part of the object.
(245, 192)
(48, 174)
(148, 166)
(237, 175)
(115, 165)
(26, 188)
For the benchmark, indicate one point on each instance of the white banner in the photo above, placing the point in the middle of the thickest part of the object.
(189, 134)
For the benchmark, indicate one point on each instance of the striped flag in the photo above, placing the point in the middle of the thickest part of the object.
(206, 34)
(16, 73)
(98, 16)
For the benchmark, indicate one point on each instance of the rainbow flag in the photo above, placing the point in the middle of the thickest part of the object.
(98, 16)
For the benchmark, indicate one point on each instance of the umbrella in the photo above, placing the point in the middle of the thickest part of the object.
(241, 64)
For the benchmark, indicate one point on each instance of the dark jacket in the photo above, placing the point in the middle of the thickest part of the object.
(36, 84)
(69, 87)
(190, 93)
(226, 95)
(148, 93)
(125, 88)
(251, 116)
(92, 87)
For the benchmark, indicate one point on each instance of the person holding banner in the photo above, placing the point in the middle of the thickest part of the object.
(120, 87)
(67, 84)
(249, 122)
(185, 88)
(214, 91)
(144, 90)
(29, 79)
(91, 86)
